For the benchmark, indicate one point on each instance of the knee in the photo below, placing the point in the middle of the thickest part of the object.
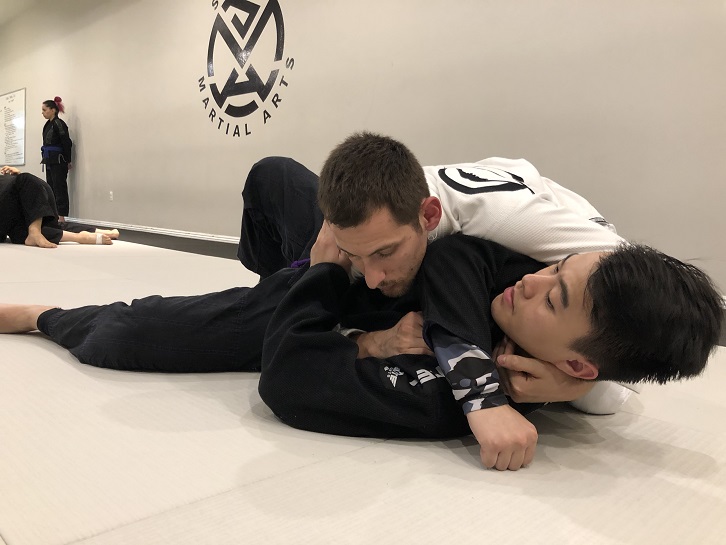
(272, 164)
(266, 173)
(29, 180)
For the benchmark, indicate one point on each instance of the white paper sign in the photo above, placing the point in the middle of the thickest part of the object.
(12, 128)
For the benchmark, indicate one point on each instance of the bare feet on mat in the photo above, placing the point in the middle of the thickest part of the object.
(37, 239)
(112, 233)
(20, 318)
(84, 237)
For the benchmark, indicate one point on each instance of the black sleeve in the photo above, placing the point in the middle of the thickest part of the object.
(459, 278)
(311, 377)
(65, 138)
(455, 284)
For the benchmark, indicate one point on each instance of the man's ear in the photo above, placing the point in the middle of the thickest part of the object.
(430, 213)
(579, 368)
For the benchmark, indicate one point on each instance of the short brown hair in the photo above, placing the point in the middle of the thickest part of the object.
(368, 172)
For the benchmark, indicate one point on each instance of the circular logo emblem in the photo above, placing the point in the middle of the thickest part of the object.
(245, 73)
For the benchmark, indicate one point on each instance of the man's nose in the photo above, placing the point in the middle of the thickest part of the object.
(374, 276)
(532, 284)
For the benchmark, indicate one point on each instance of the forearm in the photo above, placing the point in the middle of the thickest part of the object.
(313, 377)
(473, 376)
(304, 328)
(403, 338)
(367, 345)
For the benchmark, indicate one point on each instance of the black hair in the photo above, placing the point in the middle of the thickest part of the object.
(653, 317)
(55, 104)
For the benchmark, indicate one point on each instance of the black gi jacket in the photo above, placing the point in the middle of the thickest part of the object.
(55, 134)
(311, 378)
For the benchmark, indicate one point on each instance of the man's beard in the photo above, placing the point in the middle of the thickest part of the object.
(395, 289)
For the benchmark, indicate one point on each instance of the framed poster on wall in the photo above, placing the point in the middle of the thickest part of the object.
(12, 128)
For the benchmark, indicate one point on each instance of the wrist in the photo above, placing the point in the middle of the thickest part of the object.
(371, 344)
(361, 340)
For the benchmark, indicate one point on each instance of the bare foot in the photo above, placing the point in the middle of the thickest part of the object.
(84, 237)
(37, 239)
(20, 318)
(112, 233)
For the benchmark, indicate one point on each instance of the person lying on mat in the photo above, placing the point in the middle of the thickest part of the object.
(595, 316)
(503, 200)
(28, 214)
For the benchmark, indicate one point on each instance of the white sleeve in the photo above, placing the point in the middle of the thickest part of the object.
(547, 221)
(549, 233)
(347, 331)
(605, 398)
(509, 202)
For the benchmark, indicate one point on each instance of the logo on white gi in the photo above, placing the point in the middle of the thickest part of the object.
(473, 180)
(392, 374)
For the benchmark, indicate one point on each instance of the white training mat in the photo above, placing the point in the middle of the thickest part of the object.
(97, 457)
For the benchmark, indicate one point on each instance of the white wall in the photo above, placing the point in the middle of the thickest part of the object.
(622, 101)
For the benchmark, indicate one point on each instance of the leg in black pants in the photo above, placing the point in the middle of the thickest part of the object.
(57, 177)
(35, 200)
(215, 332)
(281, 218)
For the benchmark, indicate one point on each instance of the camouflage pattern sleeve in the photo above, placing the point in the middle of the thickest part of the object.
(470, 371)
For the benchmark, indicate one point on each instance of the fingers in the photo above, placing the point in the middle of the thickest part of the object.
(325, 249)
(488, 457)
(509, 345)
(510, 459)
(519, 458)
(419, 351)
(505, 346)
(505, 379)
(410, 335)
(517, 384)
(413, 320)
(507, 440)
(521, 364)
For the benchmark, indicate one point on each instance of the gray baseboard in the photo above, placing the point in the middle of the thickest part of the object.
(191, 245)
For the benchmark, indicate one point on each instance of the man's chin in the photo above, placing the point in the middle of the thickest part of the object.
(395, 290)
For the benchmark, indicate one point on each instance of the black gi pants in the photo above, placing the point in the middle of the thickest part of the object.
(209, 333)
(57, 177)
(281, 218)
(215, 332)
(23, 199)
(319, 384)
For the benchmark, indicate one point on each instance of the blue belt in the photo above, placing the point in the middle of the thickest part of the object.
(45, 150)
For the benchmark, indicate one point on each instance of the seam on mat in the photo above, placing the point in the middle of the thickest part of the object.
(205, 498)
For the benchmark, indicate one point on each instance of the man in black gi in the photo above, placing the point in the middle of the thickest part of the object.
(591, 315)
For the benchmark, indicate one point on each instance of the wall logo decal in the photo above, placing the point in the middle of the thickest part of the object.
(245, 79)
